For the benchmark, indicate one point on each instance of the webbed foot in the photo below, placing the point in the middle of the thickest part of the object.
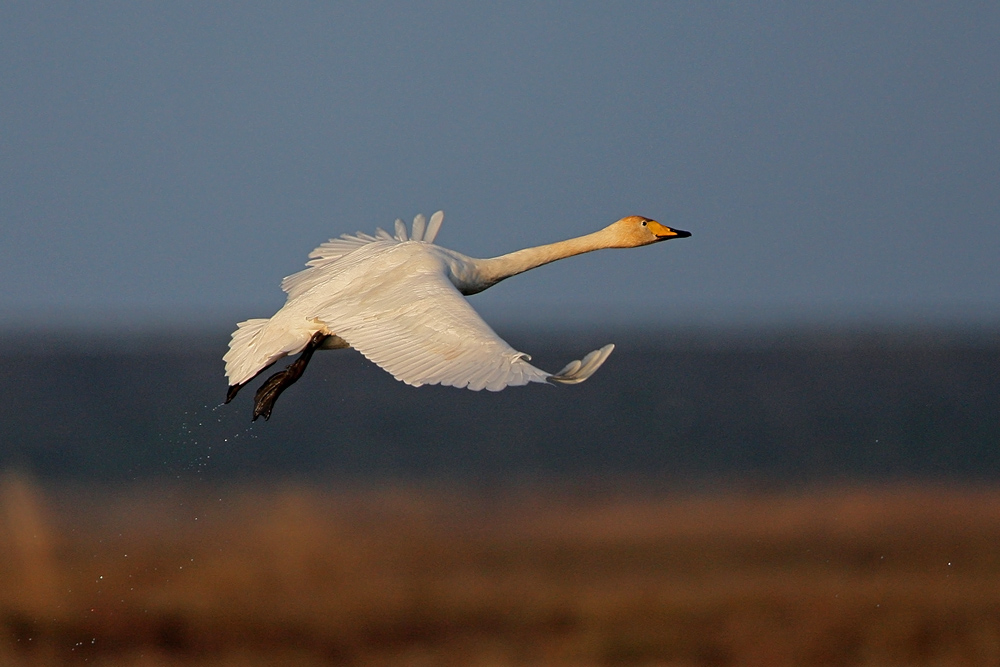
(268, 393)
(232, 391)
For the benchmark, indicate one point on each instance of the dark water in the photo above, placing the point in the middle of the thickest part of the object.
(669, 407)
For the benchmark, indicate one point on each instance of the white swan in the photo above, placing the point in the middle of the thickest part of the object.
(399, 301)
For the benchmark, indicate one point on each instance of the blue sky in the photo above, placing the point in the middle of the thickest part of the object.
(834, 161)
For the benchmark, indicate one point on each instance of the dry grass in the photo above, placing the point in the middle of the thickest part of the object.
(298, 575)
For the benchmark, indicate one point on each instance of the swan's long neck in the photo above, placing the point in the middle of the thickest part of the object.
(493, 270)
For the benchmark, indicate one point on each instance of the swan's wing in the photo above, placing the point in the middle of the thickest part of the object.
(334, 249)
(576, 372)
(323, 257)
(423, 331)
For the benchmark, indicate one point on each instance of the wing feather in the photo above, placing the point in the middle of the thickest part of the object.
(401, 231)
(419, 223)
(433, 227)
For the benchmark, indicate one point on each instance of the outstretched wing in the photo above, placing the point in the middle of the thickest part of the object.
(334, 249)
(412, 322)
(423, 331)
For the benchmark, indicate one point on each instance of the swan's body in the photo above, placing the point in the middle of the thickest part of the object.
(399, 301)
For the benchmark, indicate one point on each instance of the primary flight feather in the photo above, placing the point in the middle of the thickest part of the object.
(399, 300)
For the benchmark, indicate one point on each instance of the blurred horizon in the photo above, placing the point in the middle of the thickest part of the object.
(671, 406)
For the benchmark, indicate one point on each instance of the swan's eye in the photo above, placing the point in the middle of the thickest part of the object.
(643, 223)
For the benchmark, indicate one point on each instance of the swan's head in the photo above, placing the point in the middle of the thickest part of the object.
(635, 231)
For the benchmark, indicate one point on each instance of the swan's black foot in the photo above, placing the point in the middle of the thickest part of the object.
(232, 391)
(268, 393)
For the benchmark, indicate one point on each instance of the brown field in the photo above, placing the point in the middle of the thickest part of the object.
(298, 575)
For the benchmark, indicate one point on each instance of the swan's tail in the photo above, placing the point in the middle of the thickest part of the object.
(255, 346)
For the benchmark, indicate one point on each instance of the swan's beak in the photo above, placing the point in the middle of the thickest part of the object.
(663, 232)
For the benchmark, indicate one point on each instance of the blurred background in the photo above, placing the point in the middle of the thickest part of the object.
(821, 359)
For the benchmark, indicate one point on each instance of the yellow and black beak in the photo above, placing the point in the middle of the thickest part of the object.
(663, 232)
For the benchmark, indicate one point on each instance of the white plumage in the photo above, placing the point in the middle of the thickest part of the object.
(398, 299)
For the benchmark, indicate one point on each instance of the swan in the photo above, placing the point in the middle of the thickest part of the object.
(398, 300)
